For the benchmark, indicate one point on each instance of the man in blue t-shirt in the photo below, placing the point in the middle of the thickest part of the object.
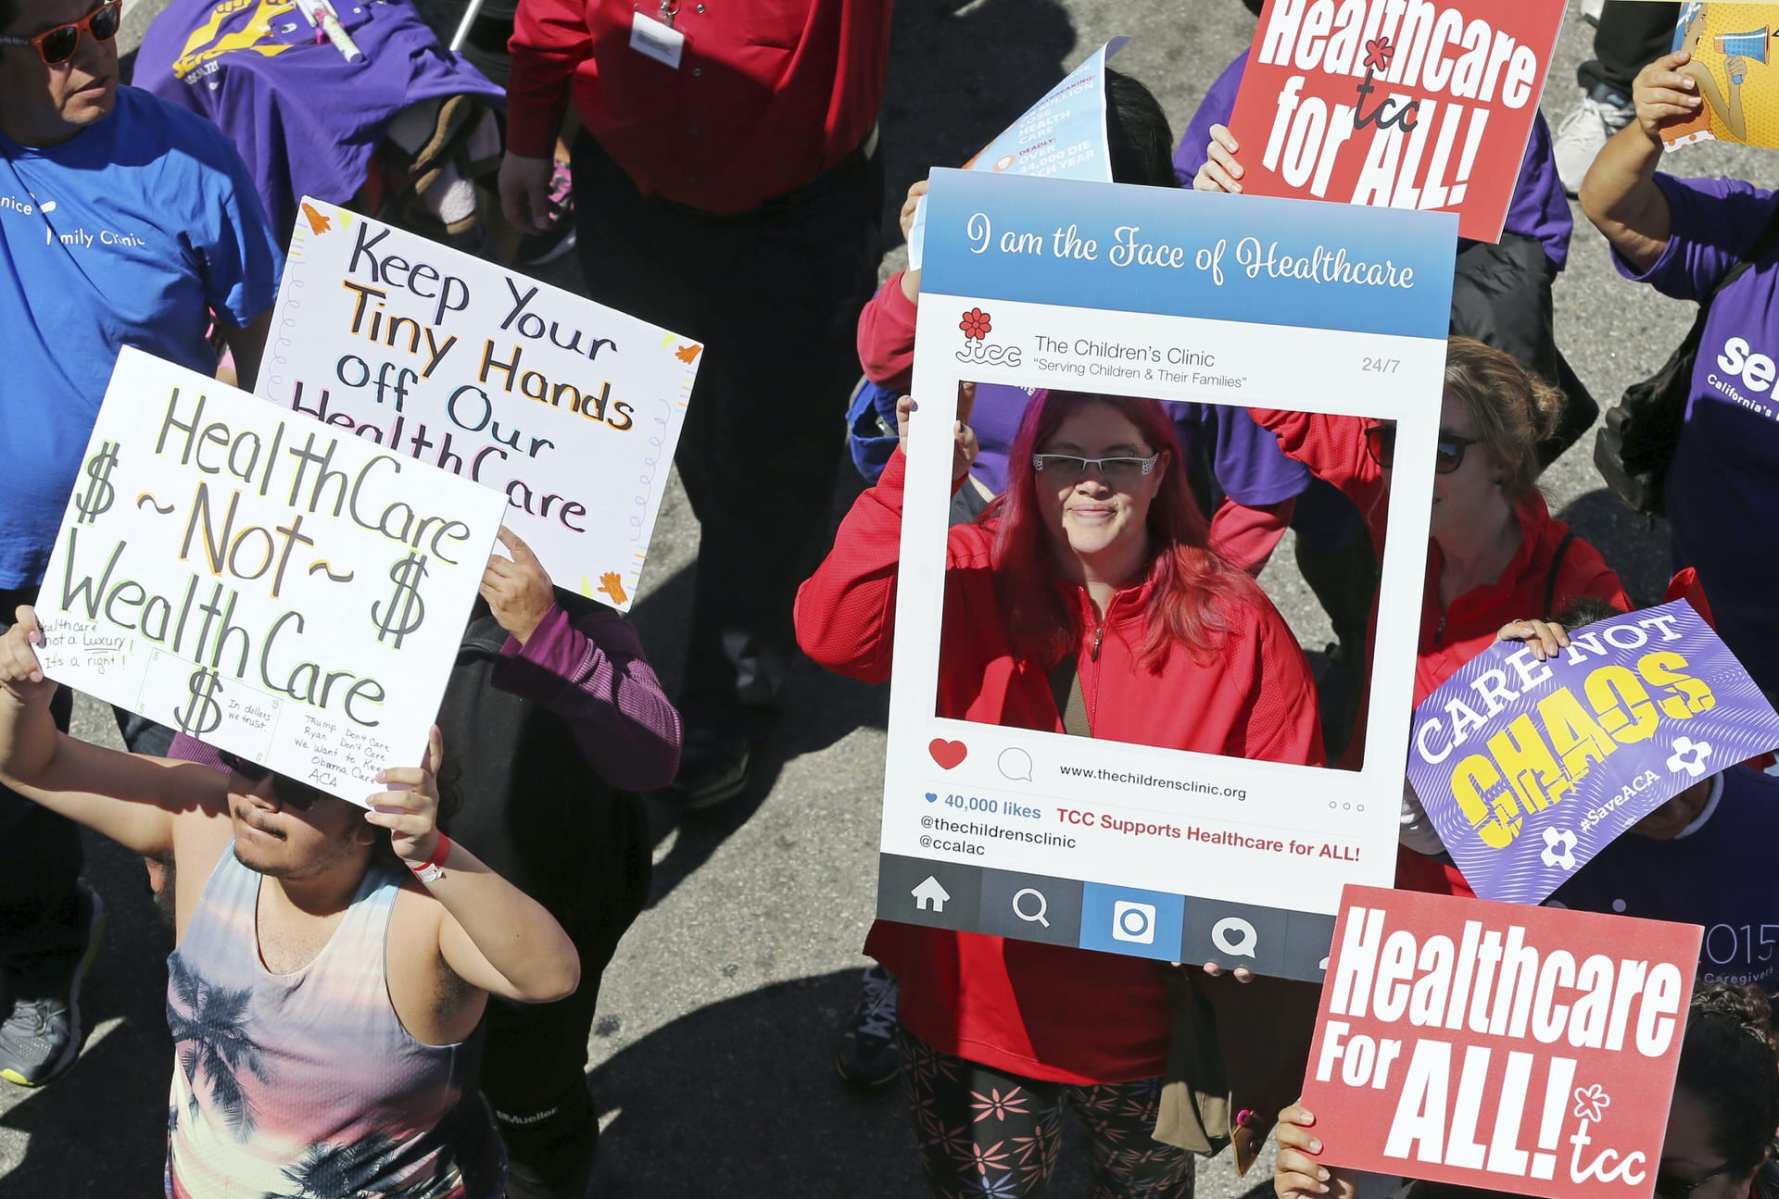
(1696, 860)
(1683, 237)
(123, 221)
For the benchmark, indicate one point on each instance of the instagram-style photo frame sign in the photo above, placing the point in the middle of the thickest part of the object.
(1233, 308)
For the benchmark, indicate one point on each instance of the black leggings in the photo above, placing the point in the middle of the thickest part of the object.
(983, 1133)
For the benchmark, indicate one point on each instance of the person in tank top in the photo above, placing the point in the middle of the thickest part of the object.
(323, 1000)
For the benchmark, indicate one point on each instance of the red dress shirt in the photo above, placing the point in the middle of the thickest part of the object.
(768, 93)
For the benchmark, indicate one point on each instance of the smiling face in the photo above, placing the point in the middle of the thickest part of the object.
(40, 103)
(290, 843)
(1092, 517)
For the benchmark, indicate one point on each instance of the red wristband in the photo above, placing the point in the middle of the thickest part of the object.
(433, 867)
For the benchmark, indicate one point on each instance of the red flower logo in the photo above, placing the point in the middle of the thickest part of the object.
(1378, 53)
(975, 325)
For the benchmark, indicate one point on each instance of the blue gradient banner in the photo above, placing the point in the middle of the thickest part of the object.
(1173, 252)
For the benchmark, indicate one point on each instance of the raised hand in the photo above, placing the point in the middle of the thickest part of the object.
(410, 808)
(518, 589)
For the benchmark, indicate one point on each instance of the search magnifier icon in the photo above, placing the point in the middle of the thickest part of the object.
(1042, 912)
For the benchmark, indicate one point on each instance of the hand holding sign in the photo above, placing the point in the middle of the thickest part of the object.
(1296, 1173)
(20, 672)
(518, 589)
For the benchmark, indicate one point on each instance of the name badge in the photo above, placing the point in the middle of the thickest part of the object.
(656, 40)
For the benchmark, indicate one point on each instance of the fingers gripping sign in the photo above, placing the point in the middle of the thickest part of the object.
(20, 672)
(410, 808)
(964, 444)
(518, 589)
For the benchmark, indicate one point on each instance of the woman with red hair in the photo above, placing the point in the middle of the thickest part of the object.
(1090, 572)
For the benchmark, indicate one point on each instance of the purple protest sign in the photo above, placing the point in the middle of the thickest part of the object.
(1527, 769)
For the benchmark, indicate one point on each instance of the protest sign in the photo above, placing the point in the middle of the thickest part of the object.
(1527, 769)
(1734, 71)
(1497, 1046)
(570, 409)
(1425, 104)
(1062, 136)
(998, 821)
(278, 588)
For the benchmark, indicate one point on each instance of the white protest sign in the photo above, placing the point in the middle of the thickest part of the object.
(570, 409)
(282, 590)
(1062, 136)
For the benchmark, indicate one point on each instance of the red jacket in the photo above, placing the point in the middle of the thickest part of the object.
(767, 95)
(1044, 1011)
(1334, 448)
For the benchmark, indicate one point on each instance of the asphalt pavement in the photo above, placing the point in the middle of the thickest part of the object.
(710, 1058)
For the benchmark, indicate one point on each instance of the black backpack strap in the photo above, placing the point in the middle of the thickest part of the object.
(1556, 568)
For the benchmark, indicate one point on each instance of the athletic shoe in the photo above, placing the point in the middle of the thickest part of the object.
(713, 766)
(41, 1037)
(1583, 133)
(1592, 10)
(865, 1052)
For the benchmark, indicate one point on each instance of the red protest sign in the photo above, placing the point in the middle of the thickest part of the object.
(1395, 103)
(1499, 1046)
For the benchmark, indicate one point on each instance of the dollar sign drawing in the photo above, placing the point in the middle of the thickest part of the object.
(406, 610)
(203, 714)
(99, 493)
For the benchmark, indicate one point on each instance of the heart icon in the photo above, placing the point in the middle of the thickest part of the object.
(932, 797)
(947, 753)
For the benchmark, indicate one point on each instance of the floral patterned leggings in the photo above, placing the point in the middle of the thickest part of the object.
(988, 1135)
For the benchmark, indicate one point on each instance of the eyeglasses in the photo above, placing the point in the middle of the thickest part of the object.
(1667, 1187)
(1068, 469)
(290, 793)
(56, 46)
(1448, 451)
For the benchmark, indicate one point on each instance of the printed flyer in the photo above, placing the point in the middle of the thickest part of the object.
(1498, 1046)
(1185, 312)
(1528, 769)
(275, 587)
(1062, 136)
(1733, 68)
(1426, 105)
(569, 409)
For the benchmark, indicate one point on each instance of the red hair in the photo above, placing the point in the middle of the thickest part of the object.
(1190, 586)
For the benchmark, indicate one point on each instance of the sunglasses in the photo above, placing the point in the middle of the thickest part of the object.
(57, 46)
(1069, 469)
(1448, 450)
(291, 794)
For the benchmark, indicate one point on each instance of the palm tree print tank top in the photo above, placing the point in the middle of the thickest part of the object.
(305, 1085)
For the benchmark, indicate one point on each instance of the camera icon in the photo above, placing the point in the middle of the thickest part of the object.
(1134, 922)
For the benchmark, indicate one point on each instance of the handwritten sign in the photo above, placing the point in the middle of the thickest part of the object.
(1733, 70)
(278, 588)
(569, 409)
(1062, 136)
(1528, 769)
(1496, 1046)
(1375, 102)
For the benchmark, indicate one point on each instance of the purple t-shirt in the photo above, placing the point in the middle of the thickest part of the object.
(1538, 210)
(306, 120)
(1246, 459)
(1707, 877)
(1724, 481)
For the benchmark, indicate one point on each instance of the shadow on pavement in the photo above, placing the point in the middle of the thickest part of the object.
(1634, 546)
(101, 1128)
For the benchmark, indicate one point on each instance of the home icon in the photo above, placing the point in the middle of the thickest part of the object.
(930, 896)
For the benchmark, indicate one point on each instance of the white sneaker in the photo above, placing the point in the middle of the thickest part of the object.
(1582, 135)
(1592, 10)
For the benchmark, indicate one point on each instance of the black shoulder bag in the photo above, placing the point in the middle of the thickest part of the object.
(1637, 439)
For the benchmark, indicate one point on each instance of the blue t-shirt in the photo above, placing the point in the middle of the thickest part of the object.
(127, 234)
(1724, 481)
(1718, 876)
